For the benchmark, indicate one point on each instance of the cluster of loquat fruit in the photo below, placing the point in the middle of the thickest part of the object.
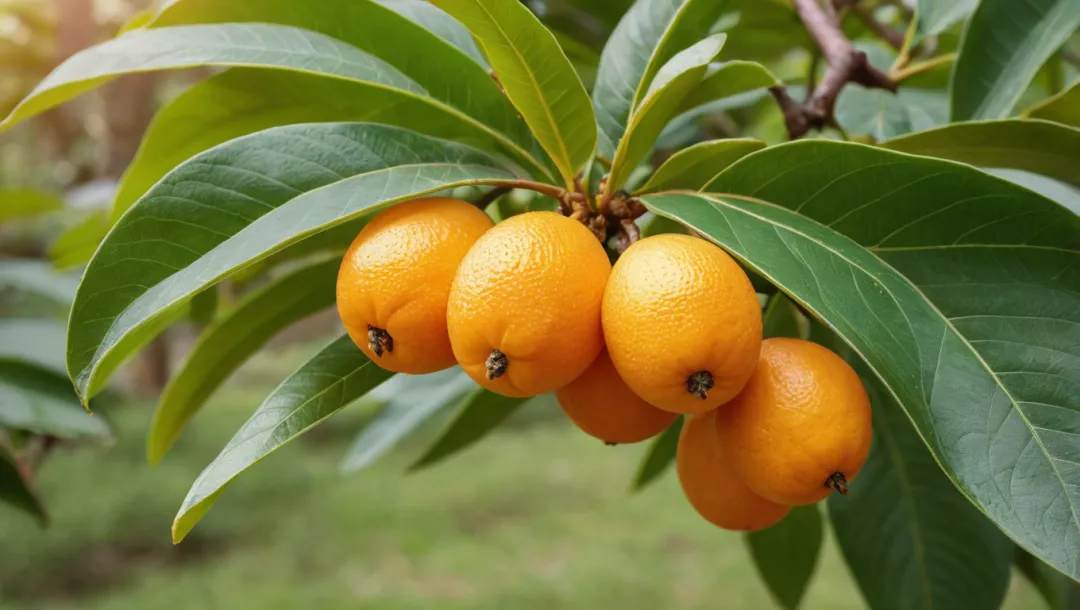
(533, 305)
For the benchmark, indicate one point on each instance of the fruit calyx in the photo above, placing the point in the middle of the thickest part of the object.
(496, 364)
(700, 383)
(379, 340)
(837, 482)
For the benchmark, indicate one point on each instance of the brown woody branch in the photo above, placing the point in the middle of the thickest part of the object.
(845, 64)
(887, 33)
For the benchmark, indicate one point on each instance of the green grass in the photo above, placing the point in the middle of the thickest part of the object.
(537, 516)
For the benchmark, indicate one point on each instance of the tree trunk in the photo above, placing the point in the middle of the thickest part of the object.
(129, 106)
(76, 29)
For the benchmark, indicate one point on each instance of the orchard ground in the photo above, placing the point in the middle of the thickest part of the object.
(537, 516)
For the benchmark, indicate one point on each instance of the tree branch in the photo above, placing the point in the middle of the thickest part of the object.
(885, 32)
(846, 64)
(1071, 57)
(490, 196)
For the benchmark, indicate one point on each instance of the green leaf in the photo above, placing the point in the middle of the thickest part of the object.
(232, 339)
(1059, 592)
(17, 485)
(686, 128)
(242, 101)
(910, 539)
(693, 167)
(1061, 108)
(412, 401)
(649, 35)
(781, 318)
(38, 401)
(1003, 47)
(229, 44)
(982, 325)
(24, 203)
(137, 21)
(236, 204)
(35, 341)
(537, 77)
(333, 378)
(406, 35)
(38, 278)
(786, 554)
(936, 16)
(585, 60)
(659, 457)
(480, 413)
(673, 82)
(1066, 195)
(430, 18)
(883, 114)
(76, 244)
(728, 79)
(1040, 147)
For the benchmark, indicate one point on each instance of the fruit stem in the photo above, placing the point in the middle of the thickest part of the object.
(837, 482)
(379, 340)
(496, 364)
(555, 192)
(700, 383)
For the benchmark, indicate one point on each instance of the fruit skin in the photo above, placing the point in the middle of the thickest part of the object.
(803, 416)
(531, 288)
(676, 305)
(603, 406)
(396, 276)
(711, 485)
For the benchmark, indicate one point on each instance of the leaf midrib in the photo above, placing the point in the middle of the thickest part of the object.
(569, 164)
(1016, 60)
(969, 246)
(948, 324)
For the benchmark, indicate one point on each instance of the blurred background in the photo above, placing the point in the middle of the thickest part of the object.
(537, 516)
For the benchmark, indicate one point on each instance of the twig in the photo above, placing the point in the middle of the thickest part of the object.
(555, 192)
(888, 34)
(491, 195)
(846, 64)
(38, 450)
(1071, 57)
(920, 67)
(812, 73)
